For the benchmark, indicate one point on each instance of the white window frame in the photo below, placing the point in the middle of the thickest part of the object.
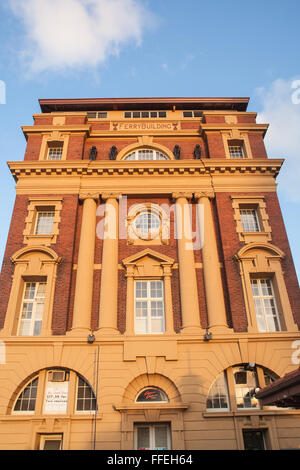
(249, 212)
(35, 301)
(261, 298)
(79, 398)
(232, 154)
(26, 412)
(219, 409)
(50, 437)
(57, 152)
(148, 300)
(140, 151)
(39, 213)
(152, 427)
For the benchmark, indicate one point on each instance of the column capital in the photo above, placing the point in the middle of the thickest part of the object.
(209, 193)
(110, 195)
(86, 195)
(185, 194)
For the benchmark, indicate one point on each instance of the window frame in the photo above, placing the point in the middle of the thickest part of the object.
(39, 212)
(26, 412)
(152, 427)
(50, 437)
(218, 410)
(262, 298)
(149, 300)
(82, 412)
(34, 309)
(155, 153)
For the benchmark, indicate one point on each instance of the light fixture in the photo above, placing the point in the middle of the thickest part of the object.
(250, 366)
(207, 336)
(91, 338)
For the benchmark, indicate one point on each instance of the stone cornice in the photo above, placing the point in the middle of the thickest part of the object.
(270, 167)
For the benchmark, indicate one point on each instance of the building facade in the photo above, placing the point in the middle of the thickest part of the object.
(147, 289)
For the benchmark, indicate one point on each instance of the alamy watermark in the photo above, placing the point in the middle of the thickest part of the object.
(151, 221)
(296, 353)
(296, 94)
(2, 92)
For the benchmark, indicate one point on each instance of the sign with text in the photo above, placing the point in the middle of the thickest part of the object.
(56, 397)
(150, 126)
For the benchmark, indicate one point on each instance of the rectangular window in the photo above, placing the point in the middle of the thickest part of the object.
(154, 436)
(97, 114)
(51, 442)
(249, 220)
(236, 151)
(144, 114)
(32, 309)
(55, 153)
(191, 114)
(44, 222)
(149, 307)
(254, 439)
(265, 305)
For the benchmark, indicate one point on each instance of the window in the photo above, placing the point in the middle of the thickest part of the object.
(152, 395)
(149, 307)
(236, 151)
(51, 442)
(265, 305)
(86, 400)
(26, 400)
(254, 439)
(245, 383)
(144, 114)
(154, 436)
(44, 222)
(55, 153)
(146, 154)
(217, 399)
(191, 114)
(32, 309)
(249, 220)
(97, 114)
(147, 225)
(60, 391)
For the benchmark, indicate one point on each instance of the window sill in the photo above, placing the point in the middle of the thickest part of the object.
(255, 237)
(46, 240)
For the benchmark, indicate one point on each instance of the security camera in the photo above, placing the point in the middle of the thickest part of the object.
(250, 366)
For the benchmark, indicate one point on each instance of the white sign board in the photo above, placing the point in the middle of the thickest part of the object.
(56, 397)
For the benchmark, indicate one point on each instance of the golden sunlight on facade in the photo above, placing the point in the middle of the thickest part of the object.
(148, 291)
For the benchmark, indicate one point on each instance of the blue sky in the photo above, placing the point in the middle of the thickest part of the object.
(134, 48)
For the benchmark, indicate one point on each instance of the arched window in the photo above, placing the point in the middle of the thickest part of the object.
(86, 400)
(152, 395)
(146, 154)
(56, 394)
(235, 389)
(25, 402)
(217, 399)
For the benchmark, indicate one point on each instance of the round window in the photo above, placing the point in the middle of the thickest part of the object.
(147, 225)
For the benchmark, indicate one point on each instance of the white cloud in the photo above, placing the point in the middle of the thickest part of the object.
(281, 111)
(77, 33)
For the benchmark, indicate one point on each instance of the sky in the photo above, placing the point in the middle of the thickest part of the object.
(141, 48)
